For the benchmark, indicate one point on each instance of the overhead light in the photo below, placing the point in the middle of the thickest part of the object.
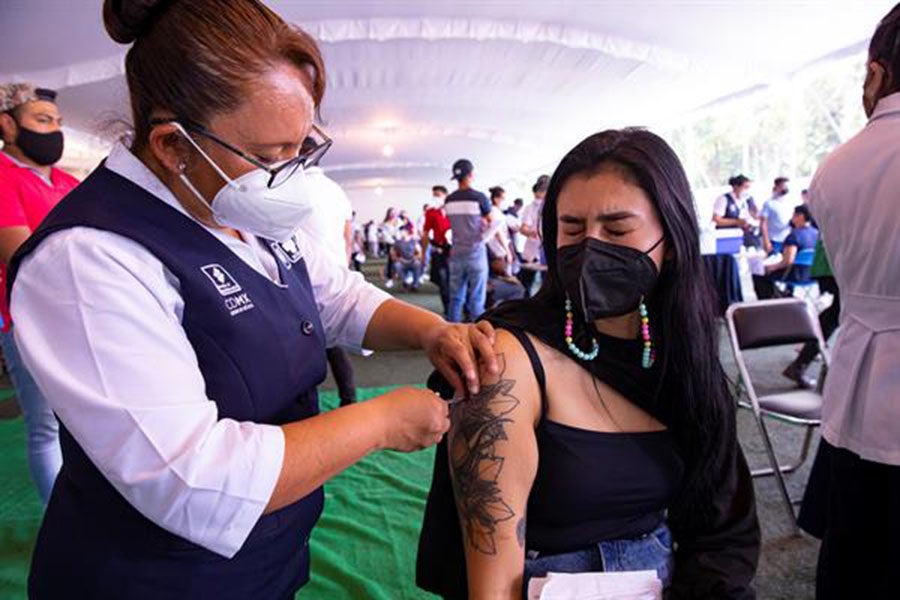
(379, 191)
(387, 150)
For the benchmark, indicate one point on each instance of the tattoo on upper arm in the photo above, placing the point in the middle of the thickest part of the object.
(520, 532)
(479, 423)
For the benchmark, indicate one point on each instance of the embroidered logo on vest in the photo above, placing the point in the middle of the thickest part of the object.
(222, 279)
(288, 251)
(235, 301)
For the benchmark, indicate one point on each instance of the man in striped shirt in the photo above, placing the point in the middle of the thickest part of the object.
(469, 212)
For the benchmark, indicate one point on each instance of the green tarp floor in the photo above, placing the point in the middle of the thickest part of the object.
(364, 547)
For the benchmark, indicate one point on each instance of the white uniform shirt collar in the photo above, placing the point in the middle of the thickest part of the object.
(122, 162)
(888, 105)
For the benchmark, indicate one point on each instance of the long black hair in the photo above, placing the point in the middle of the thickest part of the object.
(695, 402)
(884, 47)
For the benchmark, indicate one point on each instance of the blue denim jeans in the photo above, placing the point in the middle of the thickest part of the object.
(411, 271)
(41, 427)
(652, 551)
(468, 283)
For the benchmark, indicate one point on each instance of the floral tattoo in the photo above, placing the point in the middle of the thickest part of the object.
(479, 424)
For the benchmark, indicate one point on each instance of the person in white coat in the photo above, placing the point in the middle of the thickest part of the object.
(330, 227)
(853, 498)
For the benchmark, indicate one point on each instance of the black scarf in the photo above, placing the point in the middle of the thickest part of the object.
(618, 363)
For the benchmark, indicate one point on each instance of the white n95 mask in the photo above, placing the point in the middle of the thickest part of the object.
(249, 205)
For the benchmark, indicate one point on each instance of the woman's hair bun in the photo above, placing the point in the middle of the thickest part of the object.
(738, 180)
(126, 20)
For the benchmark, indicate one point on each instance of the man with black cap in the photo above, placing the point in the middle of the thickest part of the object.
(469, 211)
(30, 127)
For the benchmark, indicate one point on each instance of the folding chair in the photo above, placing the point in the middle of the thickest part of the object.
(765, 324)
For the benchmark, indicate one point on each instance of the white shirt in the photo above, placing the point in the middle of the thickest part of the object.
(371, 233)
(497, 233)
(420, 226)
(98, 323)
(854, 198)
(777, 213)
(513, 223)
(389, 230)
(531, 218)
(325, 224)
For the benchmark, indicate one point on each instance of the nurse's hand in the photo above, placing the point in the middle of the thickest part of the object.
(455, 350)
(411, 418)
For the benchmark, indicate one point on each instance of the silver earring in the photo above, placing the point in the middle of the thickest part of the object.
(181, 167)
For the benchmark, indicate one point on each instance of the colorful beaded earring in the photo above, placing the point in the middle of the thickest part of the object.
(649, 356)
(570, 340)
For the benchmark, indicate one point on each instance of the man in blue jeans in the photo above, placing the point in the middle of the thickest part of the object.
(469, 212)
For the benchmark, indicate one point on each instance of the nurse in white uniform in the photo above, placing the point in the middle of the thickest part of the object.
(178, 326)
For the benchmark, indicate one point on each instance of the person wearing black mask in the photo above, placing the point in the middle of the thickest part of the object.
(30, 127)
(610, 425)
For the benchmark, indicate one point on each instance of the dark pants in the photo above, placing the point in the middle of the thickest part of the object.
(527, 276)
(828, 321)
(342, 370)
(752, 239)
(764, 285)
(389, 267)
(440, 273)
(854, 505)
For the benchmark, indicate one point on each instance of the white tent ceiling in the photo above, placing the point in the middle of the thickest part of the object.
(508, 84)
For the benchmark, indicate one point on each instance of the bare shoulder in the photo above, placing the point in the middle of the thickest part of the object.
(553, 361)
(508, 399)
(515, 378)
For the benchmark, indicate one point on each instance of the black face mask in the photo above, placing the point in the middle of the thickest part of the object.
(603, 279)
(43, 148)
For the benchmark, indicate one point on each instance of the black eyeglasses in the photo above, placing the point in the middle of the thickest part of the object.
(312, 150)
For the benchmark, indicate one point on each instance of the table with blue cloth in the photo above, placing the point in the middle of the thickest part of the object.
(726, 278)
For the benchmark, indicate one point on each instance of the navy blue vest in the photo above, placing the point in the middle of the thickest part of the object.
(261, 350)
(732, 211)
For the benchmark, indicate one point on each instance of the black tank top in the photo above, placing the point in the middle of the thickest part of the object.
(593, 485)
(590, 486)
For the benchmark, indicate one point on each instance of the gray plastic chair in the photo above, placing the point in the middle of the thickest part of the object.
(769, 323)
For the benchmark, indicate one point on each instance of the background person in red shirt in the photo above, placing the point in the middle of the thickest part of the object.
(30, 127)
(434, 233)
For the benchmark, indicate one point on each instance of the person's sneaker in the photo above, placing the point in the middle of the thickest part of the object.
(389, 283)
(794, 372)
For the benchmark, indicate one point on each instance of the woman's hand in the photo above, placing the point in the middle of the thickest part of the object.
(456, 351)
(411, 418)
(318, 448)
